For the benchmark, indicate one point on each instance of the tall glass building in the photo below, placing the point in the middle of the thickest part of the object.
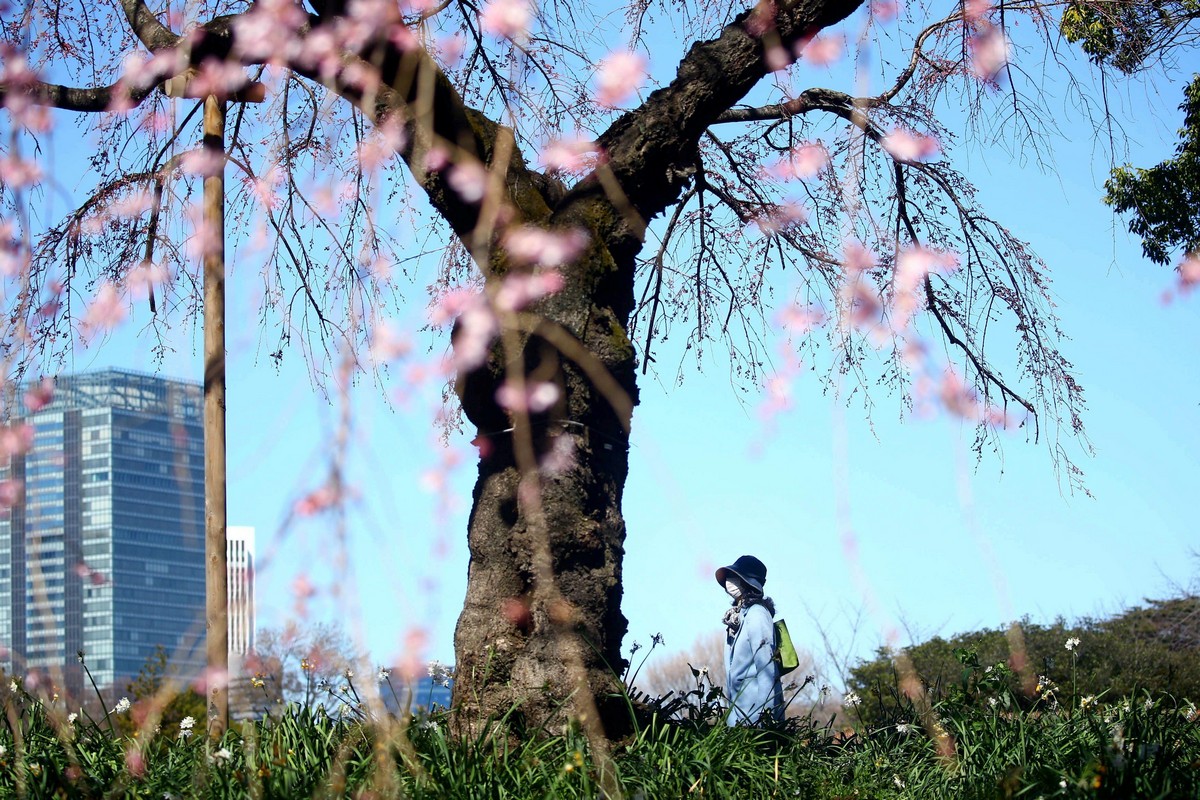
(103, 551)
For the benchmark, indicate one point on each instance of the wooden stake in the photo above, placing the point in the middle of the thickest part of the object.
(216, 572)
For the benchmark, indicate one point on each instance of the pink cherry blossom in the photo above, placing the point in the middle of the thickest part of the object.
(804, 161)
(778, 391)
(914, 263)
(19, 172)
(974, 10)
(506, 18)
(857, 259)
(777, 58)
(957, 397)
(862, 303)
(989, 50)
(561, 456)
(821, 51)
(619, 76)
(268, 30)
(203, 161)
(536, 397)
(132, 205)
(518, 290)
(798, 319)
(1189, 273)
(205, 238)
(316, 501)
(135, 762)
(40, 396)
(473, 336)
(382, 145)
(885, 10)
(450, 48)
(528, 244)
(780, 217)
(217, 77)
(389, 343)
(904, 145)
(15, 440)
(140, 72)
(11, 492)
(437, 159)
(142, 279)
(571, 155)
(469, 179)
(762, 18)
(106, 311)
(448, 306)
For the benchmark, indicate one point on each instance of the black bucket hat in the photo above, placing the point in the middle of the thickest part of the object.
(752, 572)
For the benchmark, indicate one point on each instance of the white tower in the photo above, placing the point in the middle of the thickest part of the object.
(239, 553)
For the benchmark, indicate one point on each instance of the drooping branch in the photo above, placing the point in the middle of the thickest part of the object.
(69, 98)
(651, 150)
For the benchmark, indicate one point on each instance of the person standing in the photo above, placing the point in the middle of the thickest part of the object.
(752, 672)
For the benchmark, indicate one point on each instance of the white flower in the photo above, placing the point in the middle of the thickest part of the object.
(1087, 701)
(903, 728)
(349, 673)
(852, 699)
(3, 750)
(989, 669)
(383, 674)
(1062, 784)
(71, 718)
(12, 686)
(896, 780)
(187, 723)
(993, 702)
(1149, 704)
(1072, 643)
(222, 755)
(122, 706)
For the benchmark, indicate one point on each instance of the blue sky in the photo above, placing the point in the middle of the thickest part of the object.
(944, 543)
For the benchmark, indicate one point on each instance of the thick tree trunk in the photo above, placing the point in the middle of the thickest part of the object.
(539, 638)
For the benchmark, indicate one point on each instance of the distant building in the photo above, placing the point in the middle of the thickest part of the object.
(239, 560)
(104, 551)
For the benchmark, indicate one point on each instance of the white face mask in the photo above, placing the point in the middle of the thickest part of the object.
(733, 590)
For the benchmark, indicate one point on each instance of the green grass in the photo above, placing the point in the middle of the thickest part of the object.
(963, 747)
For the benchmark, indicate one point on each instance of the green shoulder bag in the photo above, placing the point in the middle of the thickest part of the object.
(785, 651)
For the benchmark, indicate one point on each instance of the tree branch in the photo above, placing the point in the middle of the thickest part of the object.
(652, 169)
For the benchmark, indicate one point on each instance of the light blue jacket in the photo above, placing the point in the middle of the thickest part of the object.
(752, 674)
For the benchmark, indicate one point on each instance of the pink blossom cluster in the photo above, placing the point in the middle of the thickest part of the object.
(476, 326)
(18, 80)
(93, 576)
(508, 19)
(388, 342)
(988, 46)
(532, 397)
(105, 311)
(388, 138)
(14, 259)
(571, 155)
(780, 217)
(531, 245)
(15, 440)
(806, 160)
(906, 145)
(946, 388)
(620, 75)
(39, 396)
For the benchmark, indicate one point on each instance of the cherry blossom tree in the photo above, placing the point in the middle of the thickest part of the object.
(590, 199)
